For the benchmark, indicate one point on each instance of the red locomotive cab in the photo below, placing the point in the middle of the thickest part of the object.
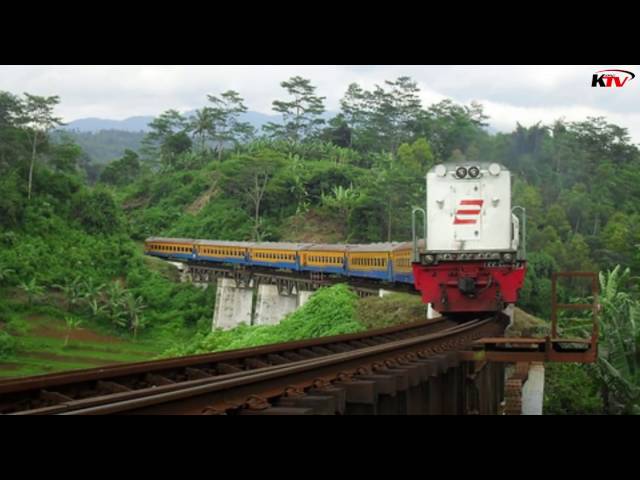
(474, 260)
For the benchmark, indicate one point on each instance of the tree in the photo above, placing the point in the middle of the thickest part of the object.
(399, 188)
(201, 125)
(248, 177)
(167, 137)
(64, 156)
(174, 146)
(226, 127)
(384, 117)
(338, 132)
(10, 109)
(301, 116)
(122, 171)
(449, 126)
(38, 120)
(397, 111)
(11, 136)
(96, 211)
(355, 110)
(416, 156)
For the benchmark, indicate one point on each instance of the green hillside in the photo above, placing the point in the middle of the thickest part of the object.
(71, 248)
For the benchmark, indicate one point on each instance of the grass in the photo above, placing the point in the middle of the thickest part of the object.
(41, 332)
(390, 310)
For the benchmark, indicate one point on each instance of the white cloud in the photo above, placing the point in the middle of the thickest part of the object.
(510, 93)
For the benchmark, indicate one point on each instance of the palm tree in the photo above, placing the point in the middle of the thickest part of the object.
(201, 125)
(32, 289)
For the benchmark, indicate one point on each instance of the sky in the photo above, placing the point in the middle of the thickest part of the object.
(510, 94)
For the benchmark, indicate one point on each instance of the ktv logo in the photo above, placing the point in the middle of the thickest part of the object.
(611, 78)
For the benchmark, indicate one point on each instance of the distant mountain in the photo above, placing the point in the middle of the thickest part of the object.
(104, 145)
(132, 124)
(105, 139)
(140, 123)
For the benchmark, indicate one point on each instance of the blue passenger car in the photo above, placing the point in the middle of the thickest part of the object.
(170, 248)
(370, 261)
(324, 258)
(220, 251)
(276, 255)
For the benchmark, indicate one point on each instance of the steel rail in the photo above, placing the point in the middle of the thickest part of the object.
(28, 389)
(114, 371)
(270, 381)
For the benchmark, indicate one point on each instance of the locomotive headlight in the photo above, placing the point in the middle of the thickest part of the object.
(494, 169)
(441, 170)
(428, 259)
(461, 172)
(507, 257)
(474, 172)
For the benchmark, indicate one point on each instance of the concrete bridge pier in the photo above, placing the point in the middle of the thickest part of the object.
(233, 304)
(272, 307)
(303, 297)
(533, 390)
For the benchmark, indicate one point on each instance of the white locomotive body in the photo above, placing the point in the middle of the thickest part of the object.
(472, 263)
(466, 213)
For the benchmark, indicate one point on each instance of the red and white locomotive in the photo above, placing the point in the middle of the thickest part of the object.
(474, 259)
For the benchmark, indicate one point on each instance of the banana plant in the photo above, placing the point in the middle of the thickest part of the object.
(72, 324)
(72, 292)
(33, 290)
(134, 308)
(618, 363)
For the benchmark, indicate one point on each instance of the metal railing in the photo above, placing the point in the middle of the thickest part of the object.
(414, 236)
(594, 306)
(522, 247)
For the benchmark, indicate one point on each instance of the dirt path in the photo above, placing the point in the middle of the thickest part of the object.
(43, 326)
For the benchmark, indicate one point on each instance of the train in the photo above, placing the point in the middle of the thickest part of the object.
(385, 262)
(474, 259)
(471, 261)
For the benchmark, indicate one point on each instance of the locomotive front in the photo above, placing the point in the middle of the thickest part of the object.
(472, 264)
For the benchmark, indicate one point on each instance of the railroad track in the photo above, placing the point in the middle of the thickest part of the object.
(356, 373)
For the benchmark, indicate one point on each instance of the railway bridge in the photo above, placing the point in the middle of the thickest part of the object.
(255, 296)
(408, 369)
(430, 367)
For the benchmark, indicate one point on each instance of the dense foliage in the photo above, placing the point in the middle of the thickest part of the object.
(329, 311)
(353, 178)
(69, 245)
